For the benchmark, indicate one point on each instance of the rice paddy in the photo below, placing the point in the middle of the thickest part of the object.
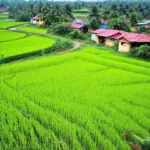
(6, 35)
(81, 100)
(24, 45)
(2, 16)
(33, 29)
(7, 23)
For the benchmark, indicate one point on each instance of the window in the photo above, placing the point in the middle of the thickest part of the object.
(123, 43)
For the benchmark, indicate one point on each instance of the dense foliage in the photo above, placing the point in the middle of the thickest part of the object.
(60, 28)
(127, 13)
(143, 51)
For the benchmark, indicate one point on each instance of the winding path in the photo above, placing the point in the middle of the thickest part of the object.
(15, 29)
(76, 44)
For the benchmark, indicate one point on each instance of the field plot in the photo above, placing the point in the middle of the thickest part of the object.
(9, 35)
(80, 15)
(24, 45)
(33, 29)
(7, 23)
(82, 100)
(2, 16)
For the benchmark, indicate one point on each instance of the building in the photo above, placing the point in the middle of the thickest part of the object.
(79, 27)
(3, 10)
(36, 20)
(80, 21)
(131, 40)
(106, 36)
(80, 24)
(104, 23)
(144, 23)
(147, 21)
(126, 40)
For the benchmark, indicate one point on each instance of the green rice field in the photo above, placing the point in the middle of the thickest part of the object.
(2, 16)
(9, 35)
(7, 23)
(81, 100)
(24, 45)
(33, 29)
(80, 15)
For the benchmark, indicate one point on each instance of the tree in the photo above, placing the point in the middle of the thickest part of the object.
(119, 24)
(94, 18)
(143, 51)
(133, 18)
(94, 23)
(94, 13)
(67, 13)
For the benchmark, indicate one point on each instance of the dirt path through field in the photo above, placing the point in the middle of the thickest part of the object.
(76, 44)
(64, 51)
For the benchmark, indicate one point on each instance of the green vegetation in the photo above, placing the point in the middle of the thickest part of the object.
(4, 24)
(143, 51)
(82, 100)
(60, 28)
(33, 29)
(80, 15)
(9, 35)
(2, 16)
(24, 45)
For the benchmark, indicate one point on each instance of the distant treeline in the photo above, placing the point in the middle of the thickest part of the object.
(118, 13)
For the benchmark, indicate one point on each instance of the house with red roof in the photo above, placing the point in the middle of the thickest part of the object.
(3, 10)
(131, 40)
(126, 40)
(104, 23)
(36, 20)
(106, 36)
(80, 24)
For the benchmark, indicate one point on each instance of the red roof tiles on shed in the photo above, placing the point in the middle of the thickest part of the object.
(103, 21)
(137, 37)
(119, 34)
(2, 10)
(147, 27)
(76, 26)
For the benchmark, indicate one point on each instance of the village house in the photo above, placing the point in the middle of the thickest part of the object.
(104, 23)
(126, 40)
(131, 40)
(3, 10)
(80, 24)
(36, 20)
(144, 23)
(106, 36)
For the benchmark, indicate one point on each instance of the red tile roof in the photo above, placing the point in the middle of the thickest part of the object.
(98, 31)
(3, 10)
(109, 32)
(35, 18)
(119, 34)
(103, 21)
(137, 37)
(76, 26)
(79, 20)
(147, 27)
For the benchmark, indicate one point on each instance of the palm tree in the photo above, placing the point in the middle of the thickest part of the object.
(94, 13)
(133, 18)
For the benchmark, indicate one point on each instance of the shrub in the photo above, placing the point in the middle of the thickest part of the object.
(142, 29)
(62, 29)
(77, 35)
(60, 44)
(116, 45)
(142, 51)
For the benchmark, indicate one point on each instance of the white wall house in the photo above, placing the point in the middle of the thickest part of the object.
(93, 37)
